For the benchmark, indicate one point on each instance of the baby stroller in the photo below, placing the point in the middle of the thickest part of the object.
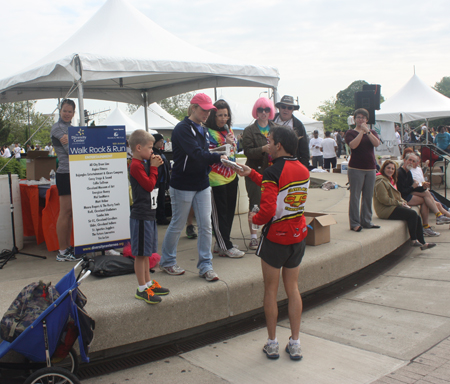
(39, 341)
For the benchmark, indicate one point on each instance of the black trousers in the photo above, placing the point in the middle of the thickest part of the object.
(161, 203)
(412, 219)
(223, 199)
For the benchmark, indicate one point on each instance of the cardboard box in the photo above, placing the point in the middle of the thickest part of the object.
(337, 170)
(320, 223)
(39, 164)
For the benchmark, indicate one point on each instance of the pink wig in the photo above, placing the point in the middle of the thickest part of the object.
(264, 102)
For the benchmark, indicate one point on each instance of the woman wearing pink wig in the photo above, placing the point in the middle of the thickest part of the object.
(254, 142)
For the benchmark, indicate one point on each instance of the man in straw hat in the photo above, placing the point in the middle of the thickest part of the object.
(285, 117)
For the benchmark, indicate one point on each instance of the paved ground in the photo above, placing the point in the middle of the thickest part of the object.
(394, 329)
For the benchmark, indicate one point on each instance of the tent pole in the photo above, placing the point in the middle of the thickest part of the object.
(81, 103)
(274, 92)
(401, 124)
(215, 94)
(145, 110)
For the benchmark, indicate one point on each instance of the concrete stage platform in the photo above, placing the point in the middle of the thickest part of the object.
(124, 323)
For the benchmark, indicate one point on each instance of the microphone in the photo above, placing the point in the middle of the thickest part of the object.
(227, 128)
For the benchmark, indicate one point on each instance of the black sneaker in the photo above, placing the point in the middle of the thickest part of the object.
(148, 296)
(190, 232)
(158, 290)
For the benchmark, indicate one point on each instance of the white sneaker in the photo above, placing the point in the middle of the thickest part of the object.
(210, 275)
(442, 220)
(428, 232)
(253, 243)
(233, 253)
(217, 249)
(112, 252)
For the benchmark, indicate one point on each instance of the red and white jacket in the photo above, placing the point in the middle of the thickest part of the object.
(284, 189)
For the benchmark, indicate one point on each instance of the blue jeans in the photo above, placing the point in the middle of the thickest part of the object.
(181, 204)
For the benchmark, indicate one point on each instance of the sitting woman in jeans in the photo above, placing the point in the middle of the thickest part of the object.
(388, 204)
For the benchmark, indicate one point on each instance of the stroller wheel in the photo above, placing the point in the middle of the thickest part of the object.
(53, 375)
(70, 362)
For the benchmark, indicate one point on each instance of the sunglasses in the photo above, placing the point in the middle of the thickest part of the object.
(261, 110)
(286, 107)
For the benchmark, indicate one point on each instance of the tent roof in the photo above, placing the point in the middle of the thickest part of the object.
(117, 117)
(414, 101)
(157, 117)
(121, 53)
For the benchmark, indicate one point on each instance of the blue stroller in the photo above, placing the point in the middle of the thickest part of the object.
(39, 341)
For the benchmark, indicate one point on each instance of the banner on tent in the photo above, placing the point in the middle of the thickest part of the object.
(99, 183)
(389, 143)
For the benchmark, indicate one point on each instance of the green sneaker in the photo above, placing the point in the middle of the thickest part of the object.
(148, 296)
(190, 232)
(158, 290)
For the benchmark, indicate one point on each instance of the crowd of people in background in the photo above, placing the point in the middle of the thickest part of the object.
(203, 181)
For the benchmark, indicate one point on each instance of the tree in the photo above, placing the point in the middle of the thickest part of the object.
(131, 108)
(443, 86)
(177, 105)
(19, 120)
(333, 114)
(346, 97)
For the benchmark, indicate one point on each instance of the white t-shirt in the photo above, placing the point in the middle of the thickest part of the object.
(7, 153)
(329, 148)
(289, 123)
(417, 175)
(17, 152)
(315, 143)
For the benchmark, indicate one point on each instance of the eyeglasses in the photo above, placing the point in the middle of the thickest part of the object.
(261, 110)
(361, 118)
(286, 107)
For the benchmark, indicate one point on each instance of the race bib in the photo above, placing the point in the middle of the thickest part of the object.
(154, 198)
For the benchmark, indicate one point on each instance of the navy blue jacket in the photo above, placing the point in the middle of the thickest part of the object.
(191, 157)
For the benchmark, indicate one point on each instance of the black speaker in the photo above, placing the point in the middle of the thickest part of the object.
(376, 89)
(366, 100)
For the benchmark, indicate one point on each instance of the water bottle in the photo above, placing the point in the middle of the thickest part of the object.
(255, 210)
(52, 177)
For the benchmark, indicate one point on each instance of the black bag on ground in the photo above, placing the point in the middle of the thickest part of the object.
(105, 266)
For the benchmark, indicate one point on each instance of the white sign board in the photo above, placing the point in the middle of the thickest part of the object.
(389, 143)
(99, 184)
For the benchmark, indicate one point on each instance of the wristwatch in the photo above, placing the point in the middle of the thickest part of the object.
(368, 133)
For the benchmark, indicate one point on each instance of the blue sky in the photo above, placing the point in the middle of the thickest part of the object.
(319, 47)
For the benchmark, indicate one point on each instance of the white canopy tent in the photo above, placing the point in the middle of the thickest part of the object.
(121, 55)
(414, 101)
(118, 117)
(158, 118)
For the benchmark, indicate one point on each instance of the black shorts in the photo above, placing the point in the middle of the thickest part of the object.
(280, 255)
(63, 183)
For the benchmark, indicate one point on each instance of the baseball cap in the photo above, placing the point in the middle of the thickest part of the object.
(204, 101)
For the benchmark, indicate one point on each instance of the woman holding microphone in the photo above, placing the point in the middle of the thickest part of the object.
(361, 171)
(223, 181)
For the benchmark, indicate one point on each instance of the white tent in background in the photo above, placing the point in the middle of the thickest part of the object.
(158, 118)
(310, 124)
(414, 101)
(118, 117)
(121, 55)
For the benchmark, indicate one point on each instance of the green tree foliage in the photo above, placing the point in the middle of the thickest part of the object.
(14, 166)
(333, 114)
(346, 97)
(14, 127)
(131, 108)
(443, 86)
(335, 111)
(177, 105)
